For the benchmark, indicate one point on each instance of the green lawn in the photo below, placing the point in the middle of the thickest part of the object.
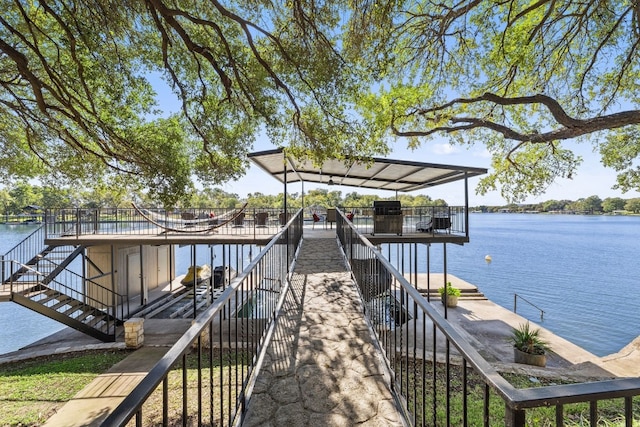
(31, 391)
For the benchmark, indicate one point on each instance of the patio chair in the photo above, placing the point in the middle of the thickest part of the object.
(261, 219)
(442, 223)
(331, 216)
(425, 226)
(316, 218)
(284, 218)
(239, 220)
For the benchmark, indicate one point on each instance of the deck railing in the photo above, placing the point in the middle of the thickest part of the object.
(205, 378)
(440, 379)
(83, 222)
(416, 219)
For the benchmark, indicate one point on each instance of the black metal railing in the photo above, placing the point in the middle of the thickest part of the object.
(70, 295)
(207, 376)
(439, 378)
(23, 252)
(515, 305)
(83, 222)
(431, 220)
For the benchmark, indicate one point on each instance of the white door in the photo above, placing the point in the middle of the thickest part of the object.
(133, 275)
(163, 265)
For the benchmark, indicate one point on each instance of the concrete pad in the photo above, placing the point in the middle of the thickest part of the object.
(96, 401)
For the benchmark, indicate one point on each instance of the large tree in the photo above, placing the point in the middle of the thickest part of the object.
(78, 84)
(518, 76)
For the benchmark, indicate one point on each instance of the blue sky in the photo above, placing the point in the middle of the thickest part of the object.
(592, 178)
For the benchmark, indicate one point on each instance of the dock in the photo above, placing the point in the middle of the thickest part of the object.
(321, 366)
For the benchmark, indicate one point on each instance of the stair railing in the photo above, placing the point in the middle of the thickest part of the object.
(74, 286)
(28, 248)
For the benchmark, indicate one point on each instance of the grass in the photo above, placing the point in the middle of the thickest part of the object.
(218, 402)
(33, 390)
(610, 412)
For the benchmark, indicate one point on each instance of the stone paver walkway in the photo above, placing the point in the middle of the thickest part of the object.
(321, 367)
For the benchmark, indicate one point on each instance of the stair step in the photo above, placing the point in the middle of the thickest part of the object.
(65, 300)
(30, 287)
(99, 317)
(86, 312)
(48, 297)
(75, 305)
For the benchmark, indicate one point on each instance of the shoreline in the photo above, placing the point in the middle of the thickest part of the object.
(485, 324)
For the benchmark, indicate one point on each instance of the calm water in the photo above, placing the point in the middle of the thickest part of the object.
(20, 327)
(581, 270)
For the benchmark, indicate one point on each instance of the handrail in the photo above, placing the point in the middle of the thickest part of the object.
(25, 245)
(399, 351)
(423, 219)
(467, 350)
(71, 290)
(515, 304)
(269, 263)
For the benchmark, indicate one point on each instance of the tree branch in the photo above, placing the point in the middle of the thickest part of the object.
(570, 127)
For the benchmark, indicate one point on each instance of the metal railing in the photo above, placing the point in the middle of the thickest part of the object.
(70, 295)
(439, 378)
(432, 220)
(515, 305)
(83, 222)
(24, 251)
(207, 376)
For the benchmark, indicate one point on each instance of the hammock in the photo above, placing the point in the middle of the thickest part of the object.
(186, 223)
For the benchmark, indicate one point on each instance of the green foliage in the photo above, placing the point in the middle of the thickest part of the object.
(611, 204)
(528, 340)
(633, 205)
(82, 85)
(516, 77)
(454, 292)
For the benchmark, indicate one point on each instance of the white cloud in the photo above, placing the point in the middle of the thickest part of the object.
(445, 149)
(483, 154)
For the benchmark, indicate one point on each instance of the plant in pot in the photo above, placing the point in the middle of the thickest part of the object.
(528, 347)
(452, 295)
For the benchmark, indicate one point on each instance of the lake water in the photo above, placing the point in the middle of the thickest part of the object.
(581, 270)
(20, 326)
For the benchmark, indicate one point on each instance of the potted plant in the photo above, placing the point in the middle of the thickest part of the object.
(528, 347)
(452, 295)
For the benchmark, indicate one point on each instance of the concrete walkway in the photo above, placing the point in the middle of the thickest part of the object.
(321, 367)
(98, 399)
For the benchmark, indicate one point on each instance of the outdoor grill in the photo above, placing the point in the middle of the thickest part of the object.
(387, 217)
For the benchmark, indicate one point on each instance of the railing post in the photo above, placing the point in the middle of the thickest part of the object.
(514, 417)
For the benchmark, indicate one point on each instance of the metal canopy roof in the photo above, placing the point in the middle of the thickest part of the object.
(382, 174)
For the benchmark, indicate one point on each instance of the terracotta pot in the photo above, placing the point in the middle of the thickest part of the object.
(529, 359)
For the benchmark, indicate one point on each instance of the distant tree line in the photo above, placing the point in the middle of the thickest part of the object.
(14, 200)
(588, 205)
